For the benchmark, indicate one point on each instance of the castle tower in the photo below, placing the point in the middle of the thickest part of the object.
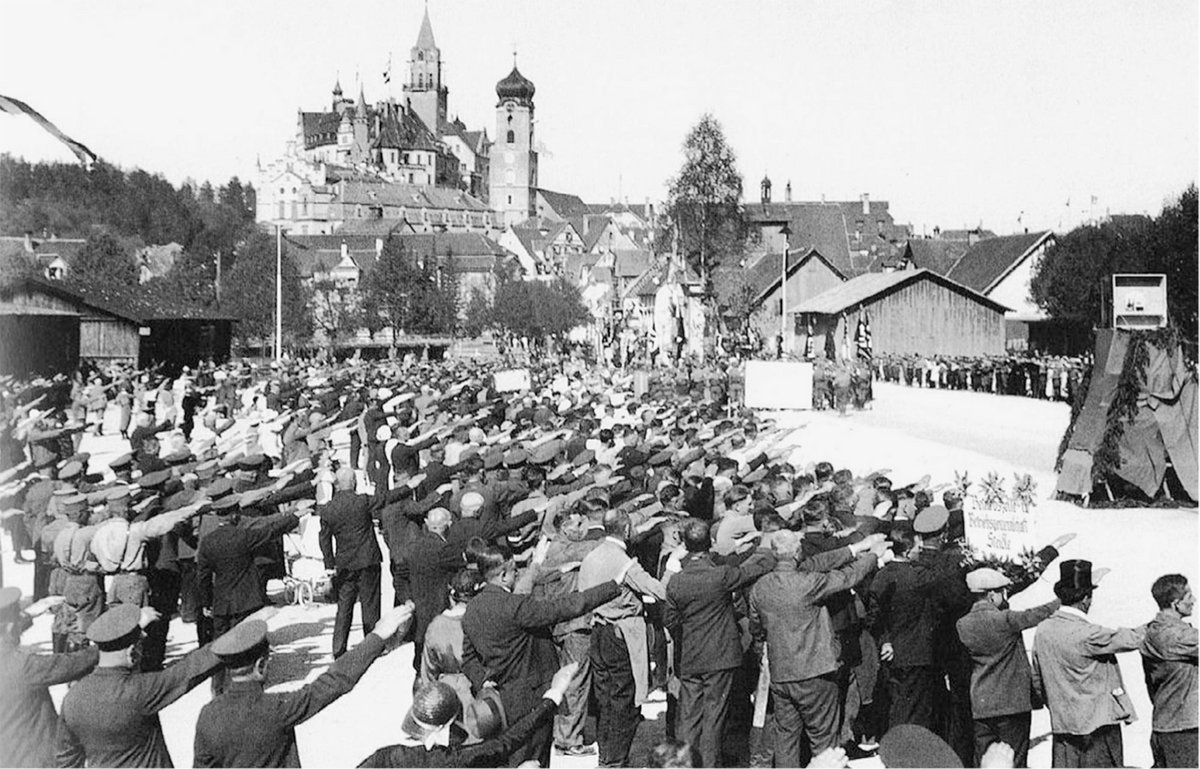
(513, 174)
(424, 89)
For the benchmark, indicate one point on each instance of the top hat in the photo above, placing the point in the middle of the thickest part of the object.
(1075, 574)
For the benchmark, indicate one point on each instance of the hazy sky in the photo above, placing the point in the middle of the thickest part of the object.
(955, 112)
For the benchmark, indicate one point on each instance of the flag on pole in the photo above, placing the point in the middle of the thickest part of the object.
(845, 337)
(862, 336)
(387, 70)
(17, 107)
(810, 344)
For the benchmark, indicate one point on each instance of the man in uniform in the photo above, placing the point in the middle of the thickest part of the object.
(245, 726)
(28, 721)
(110, 717)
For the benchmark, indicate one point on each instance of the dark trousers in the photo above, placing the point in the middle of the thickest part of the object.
(703, 706)
(400, 589)
(957, 726)
(612, 682)
(355, 447)
(801, 707)
(1101, 748)
(352, 585)
(568, 724)
(1013, 730)
(1171, 749)
(42, 568)
(164, 596)
(913, 692)
(189, 590)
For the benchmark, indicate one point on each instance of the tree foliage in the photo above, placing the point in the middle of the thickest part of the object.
(704, 203)
(249, 294)
(1073, 278)
(336, 311)
(104, 262)
(412, 296)
(68, 200)
(538, 310)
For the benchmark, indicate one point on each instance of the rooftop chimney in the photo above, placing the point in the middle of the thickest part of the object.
(866, 203)
(787, 191)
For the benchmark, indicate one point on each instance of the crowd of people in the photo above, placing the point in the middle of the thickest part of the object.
(569, 551)
(1047, 377)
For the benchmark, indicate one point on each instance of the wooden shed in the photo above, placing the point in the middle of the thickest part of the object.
(909, 312)
(37, 340)
(107, 332)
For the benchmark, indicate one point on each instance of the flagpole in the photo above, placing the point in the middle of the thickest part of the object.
(278, 292)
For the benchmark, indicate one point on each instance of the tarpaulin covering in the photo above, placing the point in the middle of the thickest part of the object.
(1162, 430)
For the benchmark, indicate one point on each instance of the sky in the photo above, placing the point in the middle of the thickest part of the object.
(1008, 114)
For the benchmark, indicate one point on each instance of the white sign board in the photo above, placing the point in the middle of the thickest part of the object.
(779, 384)
(1003, 529)
(513, 380)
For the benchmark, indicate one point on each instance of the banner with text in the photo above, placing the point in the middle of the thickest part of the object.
(1002, 528)
(513, 380)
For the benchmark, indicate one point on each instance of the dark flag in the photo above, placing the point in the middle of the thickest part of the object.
(17, 107)
(862, 336)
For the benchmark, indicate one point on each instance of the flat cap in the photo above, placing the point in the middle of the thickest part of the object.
(70, 470)
(218, 488)
(515, 458)
(151, 480)
(74, 502)
(118, 492)
(206, 470)
(545, 453)
(931, 520)
(492, 459)
(251, 462)
(177, 457)
(909, 745)
(121, 462)
(116, 628)
(985, 579)
(243, 644)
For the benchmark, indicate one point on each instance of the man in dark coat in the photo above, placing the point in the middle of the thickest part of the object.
(229, 584)
(429, 564)
(110, 717)
(28, 721)
(246, 726)
(506, 639)
(699, 614)
(352, 553)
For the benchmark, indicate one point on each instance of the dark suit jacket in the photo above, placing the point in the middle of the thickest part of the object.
(228, 578)
(348, 521)
(699, 611)
(506, 638)
(246, 726)
(429, 564)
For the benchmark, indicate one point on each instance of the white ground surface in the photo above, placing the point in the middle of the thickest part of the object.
(912, 432)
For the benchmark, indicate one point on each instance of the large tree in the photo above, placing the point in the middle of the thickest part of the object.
(336, 311)
(104, 262)
(249, 293)
(538, 310)
(1072, 280)
(704, 204)
(414, 296)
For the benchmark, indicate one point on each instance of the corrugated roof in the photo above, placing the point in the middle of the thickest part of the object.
(982, 267)
(866, 287)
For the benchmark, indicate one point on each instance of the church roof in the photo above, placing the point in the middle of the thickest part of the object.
(515, 86)
(398, 128)
(425, 36)
(319, 128)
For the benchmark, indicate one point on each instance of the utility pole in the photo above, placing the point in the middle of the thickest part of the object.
(278, 292)
(217, 285)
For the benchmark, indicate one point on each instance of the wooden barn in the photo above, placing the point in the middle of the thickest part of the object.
(134, 328)
(37, 340)
(909, 312)
(808, 275)
(106, 332)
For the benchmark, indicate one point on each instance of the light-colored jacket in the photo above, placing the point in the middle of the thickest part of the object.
(1075, 672)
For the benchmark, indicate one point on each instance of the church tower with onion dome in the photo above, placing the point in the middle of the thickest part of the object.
(514, 163)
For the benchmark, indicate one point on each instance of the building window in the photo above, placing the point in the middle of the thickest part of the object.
(420, 56)
(510, 200)
(511, 137)
(879, 225)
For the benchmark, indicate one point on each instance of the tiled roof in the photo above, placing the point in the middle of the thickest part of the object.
(564, 204)
(379, 228)
(630, 264)
(938, 256)
(864, 288)
(820, 226)
(966, 234)
(320, 128)
(595, 231)
(139, 304)
(397, 128)
(576, 266)
(408, 195)
(988, 261)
